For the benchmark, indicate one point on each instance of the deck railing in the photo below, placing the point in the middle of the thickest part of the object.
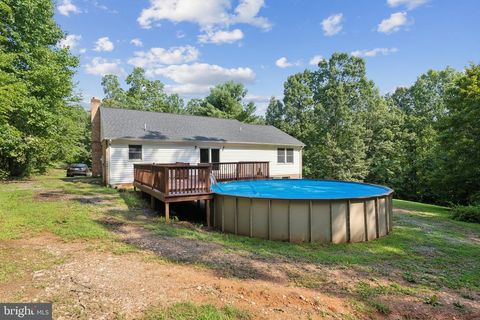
(185, 179)
(174, 179)
(248, 170)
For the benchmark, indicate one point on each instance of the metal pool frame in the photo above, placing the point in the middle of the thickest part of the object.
(310, 220)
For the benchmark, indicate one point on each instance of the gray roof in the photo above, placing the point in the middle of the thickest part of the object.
(134, 124)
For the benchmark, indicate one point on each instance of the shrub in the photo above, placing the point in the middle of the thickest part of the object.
(466, 213)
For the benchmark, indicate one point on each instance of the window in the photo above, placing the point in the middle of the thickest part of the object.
(281, 155)
(215, 155)
(284, 155)
(204, 155)
(289, 155)
(134, 152)
(209, 155)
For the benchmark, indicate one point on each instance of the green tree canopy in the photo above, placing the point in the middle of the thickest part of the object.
(225, 101)
(35, 88)
(457, 175)
(423, 105)
(142, 94)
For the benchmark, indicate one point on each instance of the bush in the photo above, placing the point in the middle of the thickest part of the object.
(467, 213)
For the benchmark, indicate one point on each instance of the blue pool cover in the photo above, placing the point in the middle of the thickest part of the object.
(299, 189)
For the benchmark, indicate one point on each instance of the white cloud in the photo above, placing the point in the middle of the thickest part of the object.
(206, 13)
(315, 60)
(66, 7)
(70, 41)
(199, 77)
(104, 44)
(137, 42)
(219, 37)
(393, 23)
(100, 66)
(101, 6)
(410, 4)
(247, 11)
(374, 52)
(188, 89)
(157, 57)
(332, 25)
(284, 63)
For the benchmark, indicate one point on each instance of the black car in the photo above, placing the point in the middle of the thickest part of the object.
(77, 169)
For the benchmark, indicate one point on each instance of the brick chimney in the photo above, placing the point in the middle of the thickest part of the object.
(96, 142)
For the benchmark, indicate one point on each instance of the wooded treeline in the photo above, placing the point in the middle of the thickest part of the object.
(422, 140)
(41, 121)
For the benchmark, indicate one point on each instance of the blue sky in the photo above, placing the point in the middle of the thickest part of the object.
(191, 45)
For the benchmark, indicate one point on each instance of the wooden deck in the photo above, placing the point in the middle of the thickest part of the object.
(177, 182)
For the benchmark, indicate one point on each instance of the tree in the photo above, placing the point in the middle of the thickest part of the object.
(457, 176)
(385, 143)
(342, 96)
(35, 89)
(142, 94)
(424, 105)
(225, 101)
(275, 114)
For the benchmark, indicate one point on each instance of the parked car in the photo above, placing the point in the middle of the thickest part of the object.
(77, 169)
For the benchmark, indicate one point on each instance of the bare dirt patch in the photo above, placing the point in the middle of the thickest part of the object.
(61, 195)
(98, 285)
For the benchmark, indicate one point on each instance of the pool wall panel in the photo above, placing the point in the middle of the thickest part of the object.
(357, 222)
(390, 227)
(243, 220)
(229, 214)
(320, 222)
(299, 221)
(339, 222)
(279, 222)
(382, 222)
(217, 212)
(259, 218)
(371, 221)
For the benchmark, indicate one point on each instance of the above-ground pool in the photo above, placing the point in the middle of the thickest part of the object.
(302, 210)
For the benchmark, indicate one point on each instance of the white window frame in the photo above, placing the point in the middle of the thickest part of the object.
(285, 155)
(141, 153)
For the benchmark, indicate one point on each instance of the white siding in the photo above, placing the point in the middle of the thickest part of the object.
(121, 169)
(263, 153)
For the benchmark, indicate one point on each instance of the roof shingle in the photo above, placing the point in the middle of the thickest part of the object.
(134, 124)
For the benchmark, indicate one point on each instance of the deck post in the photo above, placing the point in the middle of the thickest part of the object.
(167, 212)
(152, 202)
(207, 209)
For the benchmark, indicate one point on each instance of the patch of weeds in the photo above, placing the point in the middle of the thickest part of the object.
(458, 305)
(467, 295)
(309, 280)
(132, 199)
(366, 291)
(380, 307)
(432, 300)
(17, 262)
(119, 248)
(190, 311)
(409, 277)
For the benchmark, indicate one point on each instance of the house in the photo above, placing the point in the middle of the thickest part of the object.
(122, 138)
